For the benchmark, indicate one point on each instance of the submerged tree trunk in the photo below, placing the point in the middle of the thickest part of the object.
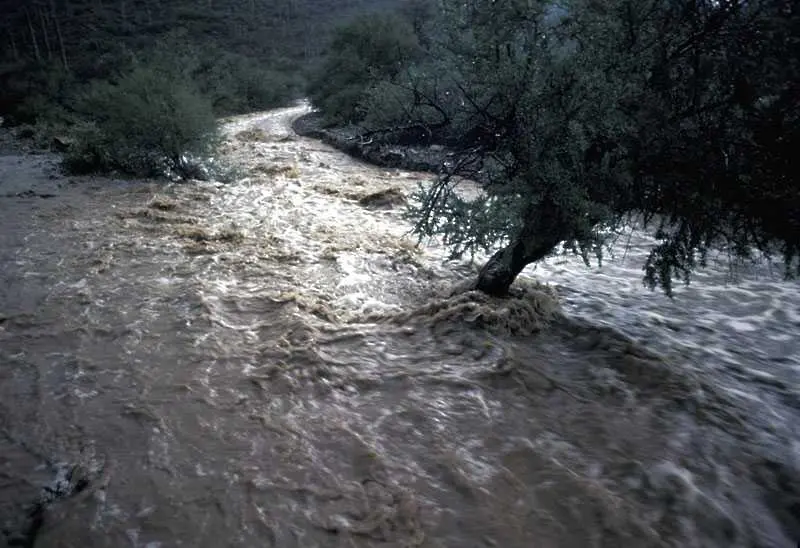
(539, 237)
(500, 271)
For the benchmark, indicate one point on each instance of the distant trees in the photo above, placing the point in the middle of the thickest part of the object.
(91, 40)
(364, 52)
(577, 115)
(234, 55)
(261, 44)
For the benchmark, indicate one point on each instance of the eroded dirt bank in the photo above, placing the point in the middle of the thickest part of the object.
(273, 363)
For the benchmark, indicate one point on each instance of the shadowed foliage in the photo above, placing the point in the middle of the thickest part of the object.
(579, 116)
(238, 56)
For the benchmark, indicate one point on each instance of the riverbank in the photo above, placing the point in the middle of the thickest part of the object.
(372, 149)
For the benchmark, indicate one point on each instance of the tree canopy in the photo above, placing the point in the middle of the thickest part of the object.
(580, 115)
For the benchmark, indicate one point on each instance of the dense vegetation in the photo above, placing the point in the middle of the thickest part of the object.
(574, 116)
(580, 115)
(366, 52)
(82, 70)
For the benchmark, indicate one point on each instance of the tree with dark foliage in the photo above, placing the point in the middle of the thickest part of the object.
(575, 118)
(367, 50)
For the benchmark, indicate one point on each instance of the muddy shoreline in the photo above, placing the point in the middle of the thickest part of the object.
(378, 153)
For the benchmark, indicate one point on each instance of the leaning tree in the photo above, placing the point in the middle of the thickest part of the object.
(576, 116)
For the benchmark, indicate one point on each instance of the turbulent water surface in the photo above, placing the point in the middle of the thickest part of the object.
(272, 362)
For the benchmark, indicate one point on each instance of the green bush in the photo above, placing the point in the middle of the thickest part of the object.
(145, 124)
(363, 53)
(39, 97)
(233, 82)
(237, 84)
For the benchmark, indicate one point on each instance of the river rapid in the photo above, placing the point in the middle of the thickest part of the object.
(273, 362)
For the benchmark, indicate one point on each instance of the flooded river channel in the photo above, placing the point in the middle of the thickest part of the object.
(273, 362)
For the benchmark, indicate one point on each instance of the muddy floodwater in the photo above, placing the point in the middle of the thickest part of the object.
(274, 363)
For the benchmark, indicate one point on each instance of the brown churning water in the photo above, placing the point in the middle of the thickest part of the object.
(272, 362)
